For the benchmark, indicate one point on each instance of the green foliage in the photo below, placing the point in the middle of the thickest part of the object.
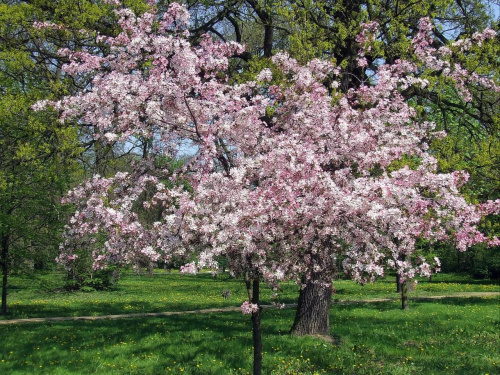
(479, 261)
(320, 29)
(83, 277)
(38, 154)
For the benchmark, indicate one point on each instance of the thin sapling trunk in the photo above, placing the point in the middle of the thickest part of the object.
(253, 289)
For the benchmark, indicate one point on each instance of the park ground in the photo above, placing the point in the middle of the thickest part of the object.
(370, 334)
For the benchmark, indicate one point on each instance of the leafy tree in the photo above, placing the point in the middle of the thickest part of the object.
(38, 153)
(36, 150)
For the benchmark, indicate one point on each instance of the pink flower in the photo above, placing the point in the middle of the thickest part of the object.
(189, 268)
(265, 75)
(249, 308)
(362, 62)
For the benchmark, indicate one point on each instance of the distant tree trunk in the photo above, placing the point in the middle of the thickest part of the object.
(313, 311)
(267, 20)
(268, 40)
(5, 271)
(253, 288)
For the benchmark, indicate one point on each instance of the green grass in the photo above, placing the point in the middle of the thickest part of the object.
(449, 336)
(133, 294)
(453, 336)
(30, 298)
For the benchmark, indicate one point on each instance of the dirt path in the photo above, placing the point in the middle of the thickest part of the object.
(231, 308)
(423, 298)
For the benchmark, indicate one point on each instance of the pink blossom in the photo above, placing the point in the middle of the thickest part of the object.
(189, 268)
(362, 62)
(47, 25)
(265, 75)
(248, 308)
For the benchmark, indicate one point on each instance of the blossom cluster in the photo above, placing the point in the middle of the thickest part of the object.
(441, 59)
(283, 183)
(248, 308)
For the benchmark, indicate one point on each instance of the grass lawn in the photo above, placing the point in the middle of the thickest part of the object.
(32, 298)
(450, 336)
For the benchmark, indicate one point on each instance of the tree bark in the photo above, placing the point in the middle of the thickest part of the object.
(313, 311)
(267, 21)
(404, 296)
(253, 288)
(268, 40)
(401, 286)
(5, 272)
(257, 335)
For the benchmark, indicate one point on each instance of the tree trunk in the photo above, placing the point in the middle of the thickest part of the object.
(399, 283)
(257, 336)
(313, 311)
(253, 289)
(268, 40)
(5, 271)
(401, 286)
(404, 296)
(267, 21)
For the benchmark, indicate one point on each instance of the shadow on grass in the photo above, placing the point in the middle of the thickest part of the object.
(462, 280)
(457, 301)
(84, 308)
(161, 342)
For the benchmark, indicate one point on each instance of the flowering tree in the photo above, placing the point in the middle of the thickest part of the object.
(286, 178)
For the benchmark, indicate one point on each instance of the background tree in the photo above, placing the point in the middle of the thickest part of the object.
(36, 151)
(38, 154)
